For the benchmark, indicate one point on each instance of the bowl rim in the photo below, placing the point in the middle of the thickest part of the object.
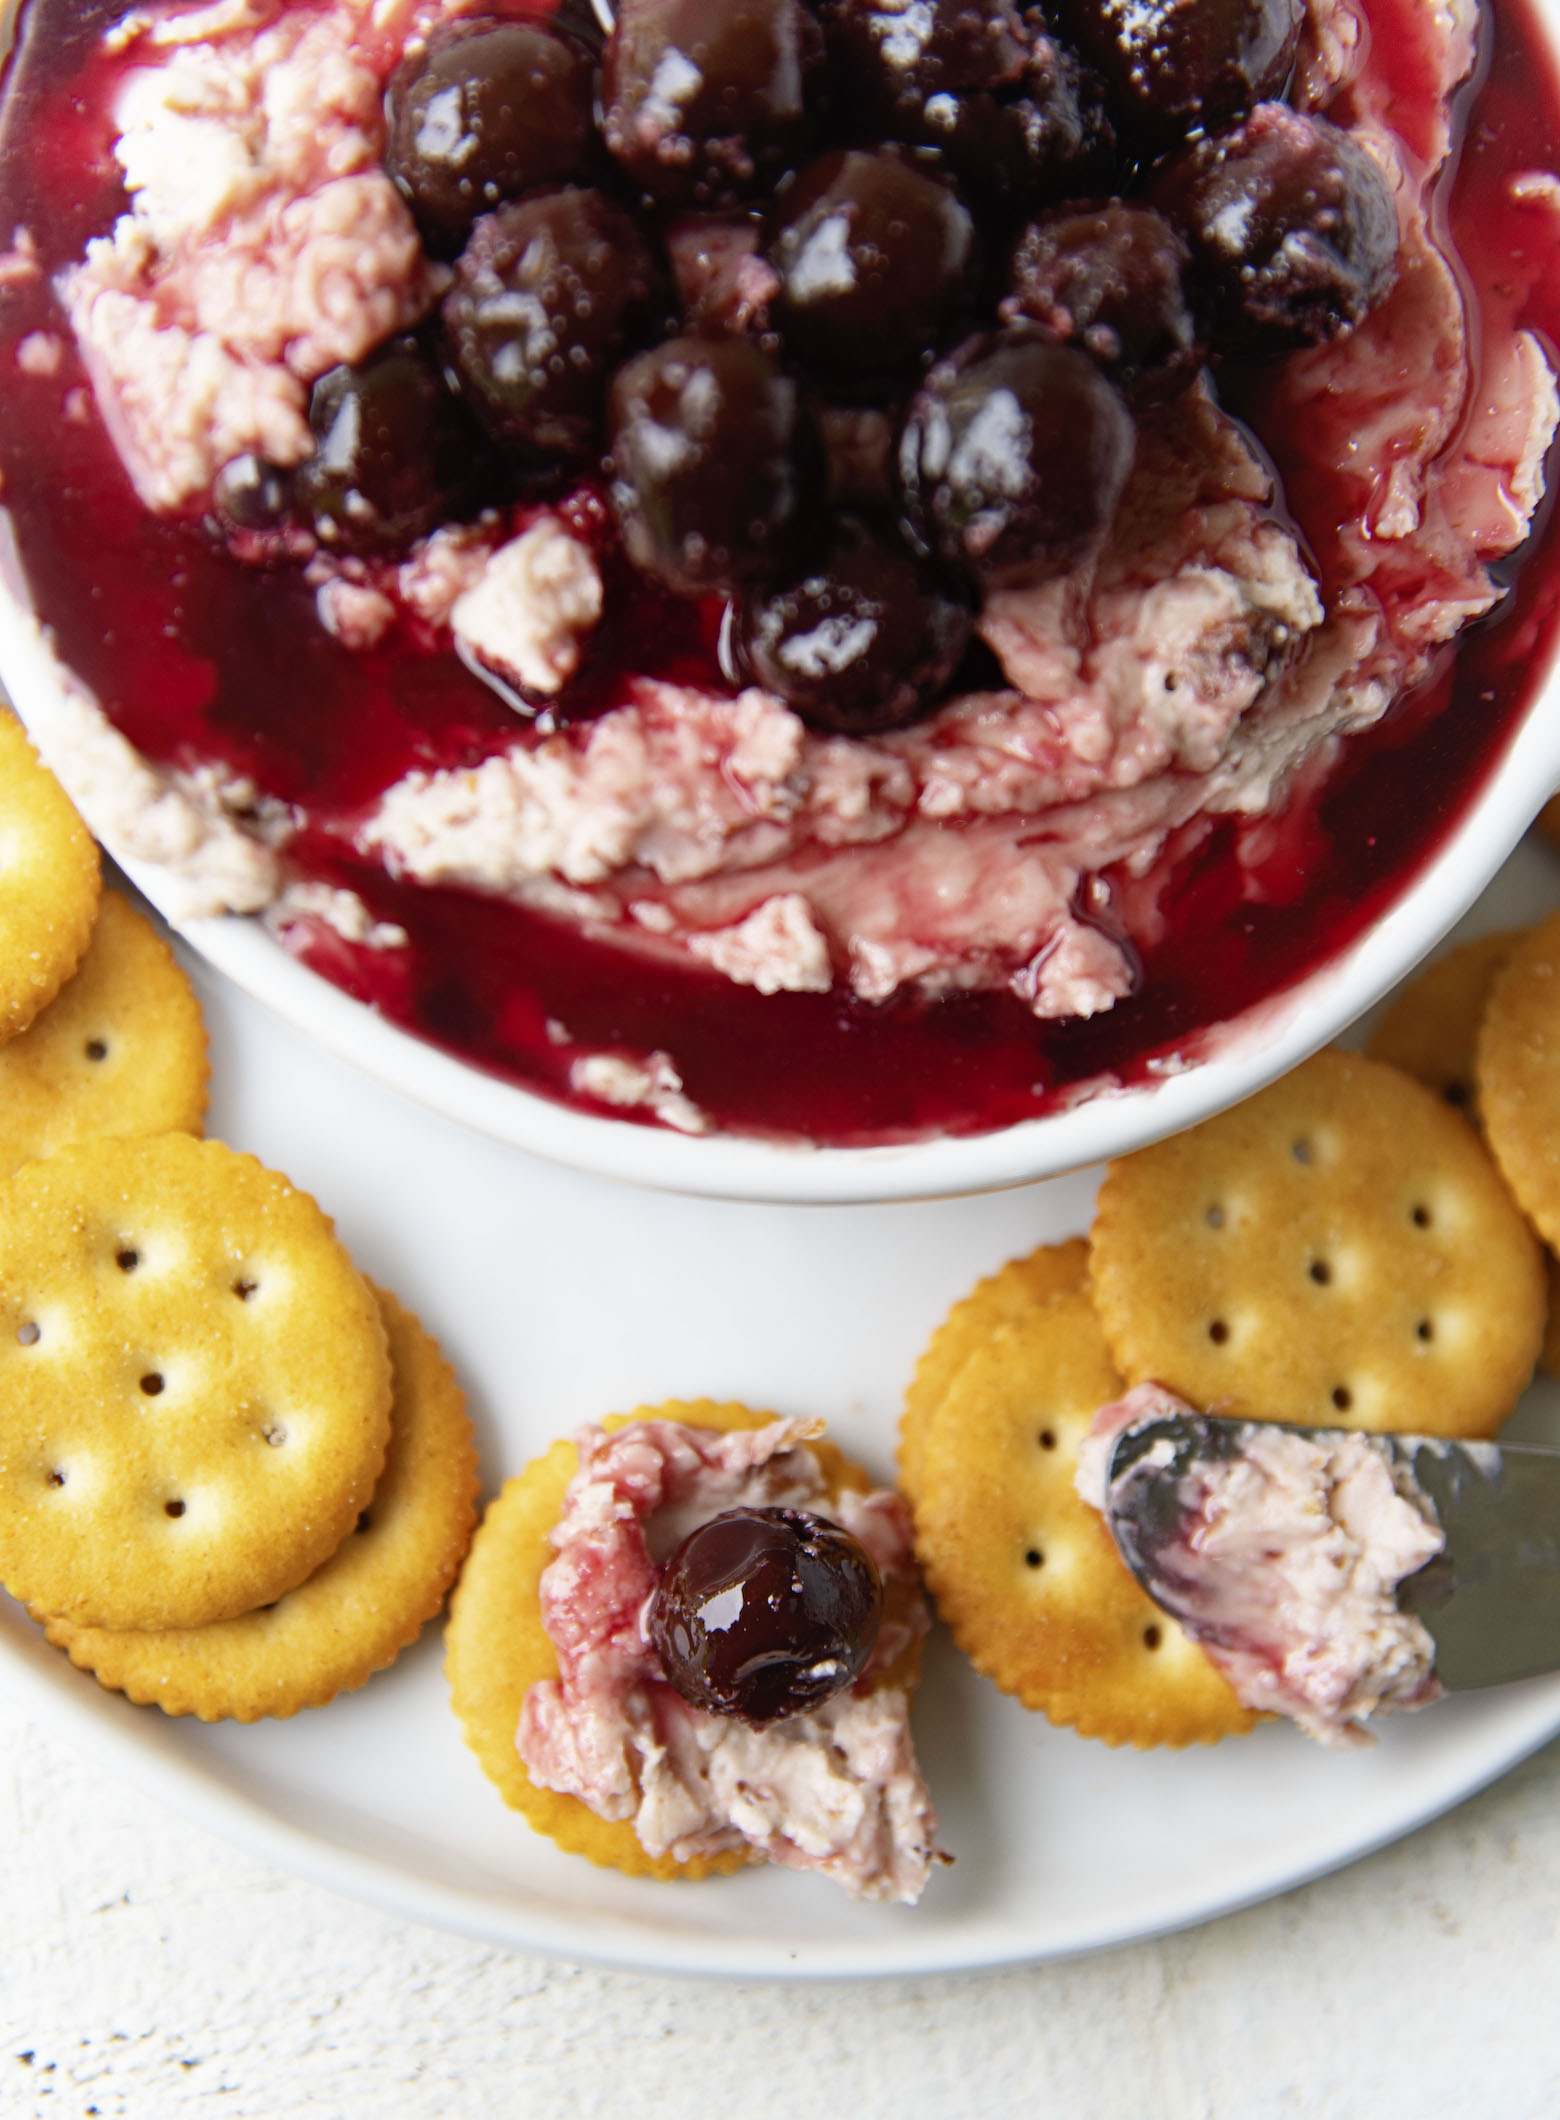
(1239, 1056)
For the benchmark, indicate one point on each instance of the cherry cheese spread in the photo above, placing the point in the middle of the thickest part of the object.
(834, 1789)
(1195, 654)
(1286, 1567)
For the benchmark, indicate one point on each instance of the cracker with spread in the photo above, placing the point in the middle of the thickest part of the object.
(687, 1641)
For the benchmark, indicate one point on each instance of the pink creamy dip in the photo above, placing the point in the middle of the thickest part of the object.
(1287, 1564)
(1022, 846)
(1196, 670)
(835, 1790)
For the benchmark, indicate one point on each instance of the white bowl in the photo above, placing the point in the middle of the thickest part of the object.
(1248, 1052)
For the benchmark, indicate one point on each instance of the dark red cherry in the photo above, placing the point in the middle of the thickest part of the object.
(487, 111)
(1170, 66)
(250, 494)
(707, 102)
(1292, 228)
(1013, 457)
(1108, 279)
(863, 638)
(891, 59)
(875, 260)
(395, 454)
(1014, 153)
(1006, 109)
(548, 296)
(715, 464)
(763, 1613)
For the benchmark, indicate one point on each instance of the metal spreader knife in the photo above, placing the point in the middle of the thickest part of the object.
(1490, 1600)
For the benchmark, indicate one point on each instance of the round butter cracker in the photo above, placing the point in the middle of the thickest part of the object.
(1337, 1251)
(49, 882)
(354, 1615)
(496, 1647)
(1025, 1574)
(194, 1384)
(1010, 1293)
(121, 1049)
(1431, 1027)
(1432, 1031)
(1518, 1067)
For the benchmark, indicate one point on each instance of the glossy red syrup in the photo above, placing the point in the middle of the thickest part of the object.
(197, 658)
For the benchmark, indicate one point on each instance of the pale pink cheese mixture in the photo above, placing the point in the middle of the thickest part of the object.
(836, 1790)
(1287, 1566)
(1192, 672)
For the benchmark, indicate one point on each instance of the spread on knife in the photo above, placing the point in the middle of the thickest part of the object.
(1339, 1252)
(624, 594)
(1282, 1554)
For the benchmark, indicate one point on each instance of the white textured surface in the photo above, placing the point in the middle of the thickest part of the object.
(148, 1971)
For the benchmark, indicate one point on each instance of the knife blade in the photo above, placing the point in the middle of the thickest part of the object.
(1490, 1600)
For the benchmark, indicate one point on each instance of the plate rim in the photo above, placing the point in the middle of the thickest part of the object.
(616, 1942)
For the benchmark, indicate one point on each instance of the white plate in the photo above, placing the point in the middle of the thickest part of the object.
(561, 1297)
